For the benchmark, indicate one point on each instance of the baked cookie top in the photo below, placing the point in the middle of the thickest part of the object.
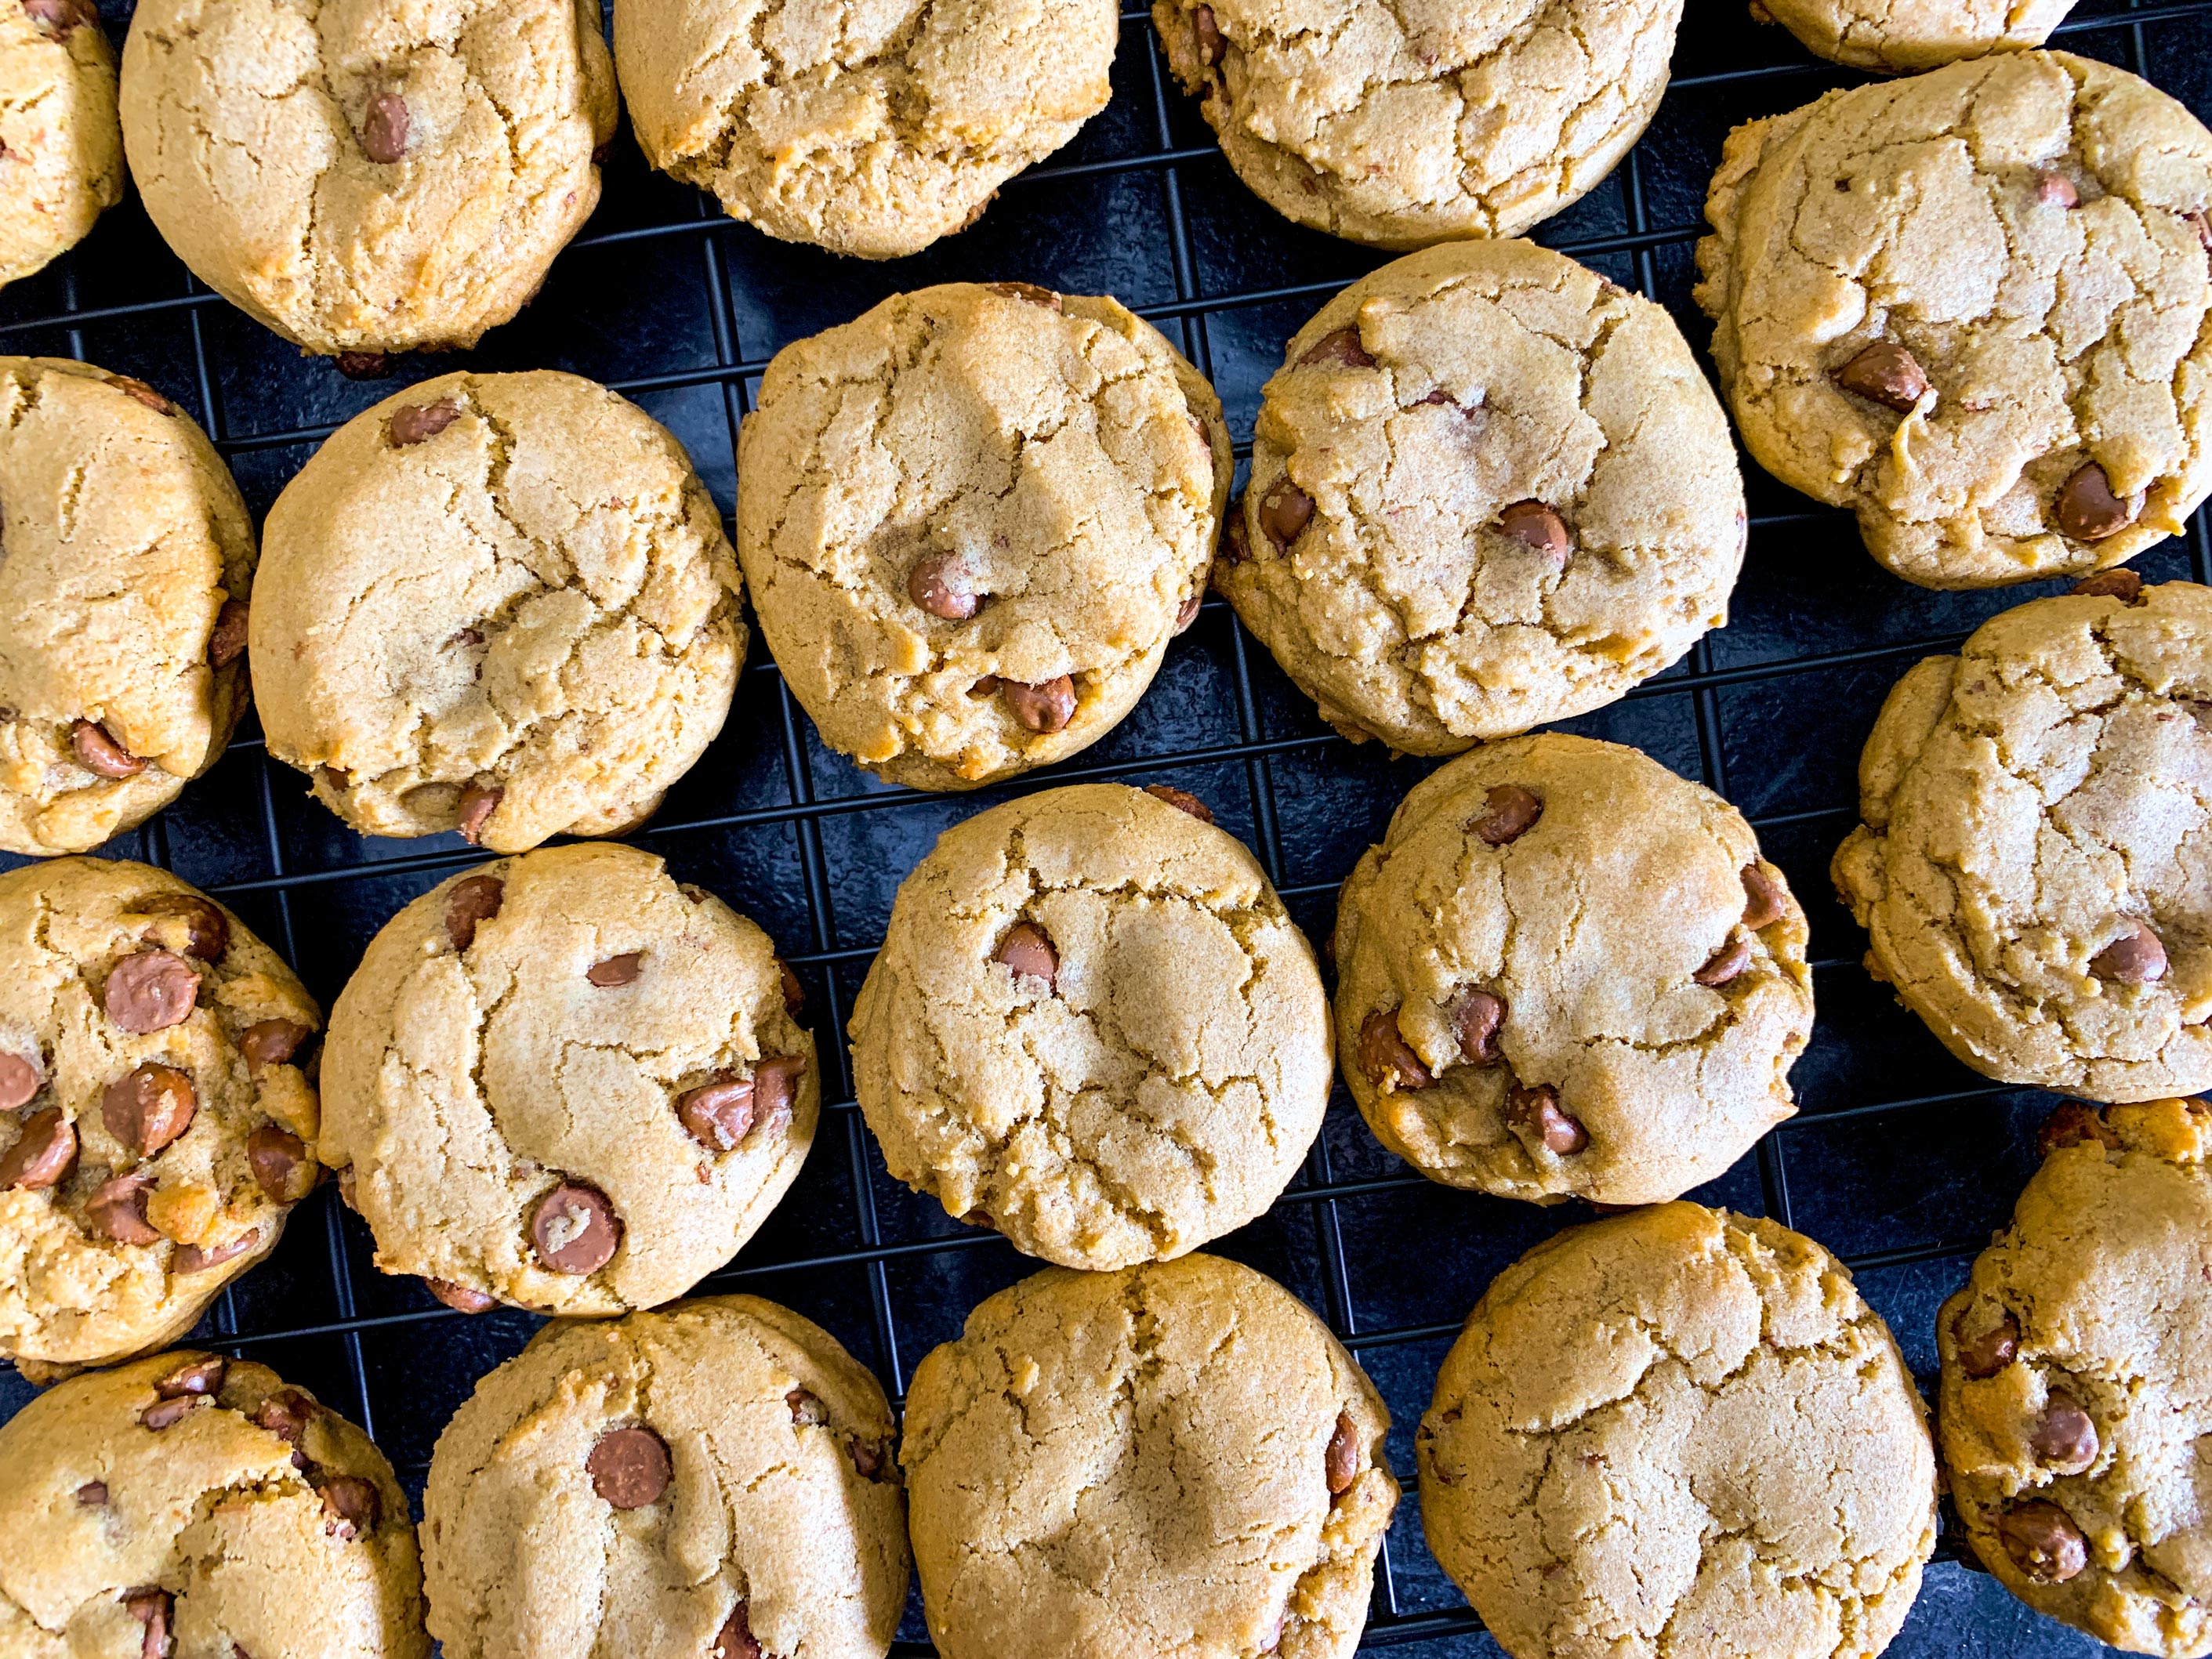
(1567, 971)
(972, 518)
(2074, 1394)
(1400, 127)
(1913, 34)
(372, 176)
(58, 126)
(194, 1505)
(1973, 305)
(1172, 1459)
(155, 1112)
(1679, 1420)
(565, 1082)
(717, 1477)
(2030, 869)
(1489, 488)
(500, 604)
(123, 596)
(871, 131)
(1093, 1026)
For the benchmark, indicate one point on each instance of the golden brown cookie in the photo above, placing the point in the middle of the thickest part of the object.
(1897, 35)
(58, 130)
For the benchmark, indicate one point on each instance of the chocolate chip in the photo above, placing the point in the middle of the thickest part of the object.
(351, 1506)
(286, 1414)
(98, 752)
(138, 392)
(43, 1153)
(2055, 190)
(470, 901)
(365, 365)
(269, 1042)
(418, 422)
(2071, 1123)
(794, 993)
(775, 1085)
(383, 130)
(630, 1467)
(941, 585)
(1046, 707)
(151, 1607)
(1341, 347)
(1508, 812)
(226, 643)
(1764, 901)
(149, 1107)
(1235, 542)
(1536, 1112)
(207, 930)
(2118, 583)
(1029, 953)
(168, 1413)
(575, 1229)
(1181, 799)
(1476, 1018)
(2135, 958)
(806, 1407)
(736, 1638)
(150, 991)
(1386, 1057)
(986, 687)
(1205, 32)
(1187, 613)
(116, 1209)
(1029, 293)
(459, 1297)
(616, 970)
(870, 1459)
(2043, 1542)
(18, 1082)
(717, 1115)
(1285, 511)
(1886, 373)
(2088, 510)
(280, 1163)
(478, 802)
(1987, 1353)
(1340, 1462)
(60, 18)
(2064, 1437)
(1725, 964)
(203, 1376)
(195, 1258)
(1537, 527)
(93, 1493)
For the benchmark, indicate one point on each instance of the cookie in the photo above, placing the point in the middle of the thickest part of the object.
(1679, 1431)
(156, 1106)
(196, 1505)
(870, 133)
(499, 603)
(1975, 307)
(2029, 871)
(972, 520)
(58, 130)
(123, 596)
(1897, 35)
(1489, 488)
(1093, 1026)
(373, 178)
(1567, 972)
(716, 1478)
(2074, 1403)
(1177, 1458)
(565, 1082)
(1401, 129)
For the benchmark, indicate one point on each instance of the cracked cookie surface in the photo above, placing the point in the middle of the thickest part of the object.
(1400, 128)
(2075, 1398)
(972, 520)
(2030, 866)
(1897, 35)
(1975, 307)
(1610, 955)
(716, 1478)
(130, 560)
(1679, 1432)
(1093, 1026)
(501, 604)
(58, 131)
(144, 1164)
(565, 1082)
(870, 129)
(1175, 1460)
(1489, 488)
(364, 175)
(187, 1505)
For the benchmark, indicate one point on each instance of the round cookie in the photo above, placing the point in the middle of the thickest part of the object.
(123, 596)
(1566, 972)
(2075, 1397)
(972, 520)
(155, 1112)
(196, 1505)
(565, 1082)
(716, 1478)
(1403, 128)
(1679, 1432)
(873, 133)
(2030, 871)
(1489, 488)
(1975, 307)
(58, 130)
(1173, 1459)
(1093, 1026)
(500, 604)
(1900, 35)
(371, 178)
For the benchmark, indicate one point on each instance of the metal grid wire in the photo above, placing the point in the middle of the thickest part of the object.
(1186, 318)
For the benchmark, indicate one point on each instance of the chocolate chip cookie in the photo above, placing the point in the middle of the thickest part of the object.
(1678, 1421)
(1567, 972)
(972, 520)
(1897, 35)
(194, 1505)
(499, 603)
(1403, 128)
(2073, 1403)
(373, 177)
(123, 602)
(1177, 1458)
(1489, 488)
(156, 1108)
(565, 1082)
(1975, 307)
(1093, 1026)
(58, 130)
(2030, 869)
(873, 133)
(717, 1477)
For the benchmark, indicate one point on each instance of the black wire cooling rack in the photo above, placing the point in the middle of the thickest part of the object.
(1899, 1159)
